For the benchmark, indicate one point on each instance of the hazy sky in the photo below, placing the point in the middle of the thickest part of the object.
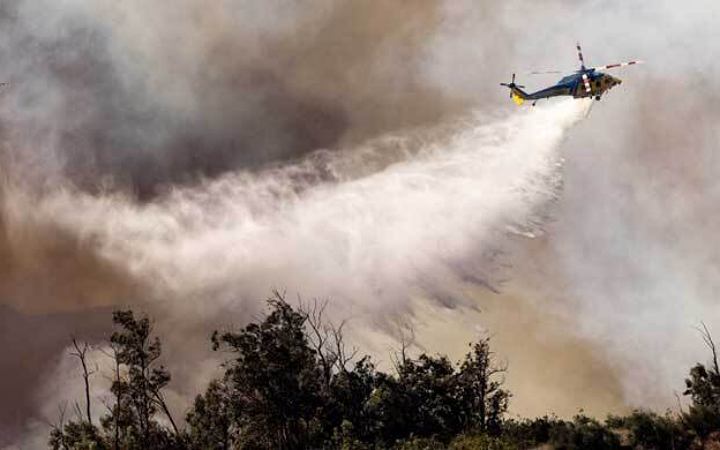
(188, 159)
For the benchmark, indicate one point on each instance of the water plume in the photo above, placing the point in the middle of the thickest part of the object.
(367, 226)
(376, 228)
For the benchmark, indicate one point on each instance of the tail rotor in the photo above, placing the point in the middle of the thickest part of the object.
(512, 85)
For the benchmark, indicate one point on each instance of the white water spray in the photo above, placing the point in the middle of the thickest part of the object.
(370, 227)
(375, 228)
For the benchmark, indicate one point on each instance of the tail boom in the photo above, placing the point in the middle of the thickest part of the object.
(518, 95)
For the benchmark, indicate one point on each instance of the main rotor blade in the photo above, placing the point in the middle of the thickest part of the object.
(580, 56)
(614, 66)
(544, 72)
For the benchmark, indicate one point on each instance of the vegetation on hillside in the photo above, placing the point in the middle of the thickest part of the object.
(290, 382)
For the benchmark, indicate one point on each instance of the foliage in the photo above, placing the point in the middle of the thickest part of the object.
(290, 383)
(80, 435)
(482, 442)
(137, 389)
(420, 400)
(421, 444)
(648, 430)
(582, 433)
(274, 381)
(703, 387)
(483, 399)
(210, 421)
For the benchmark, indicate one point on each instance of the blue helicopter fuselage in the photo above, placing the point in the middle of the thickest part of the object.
(572, 85)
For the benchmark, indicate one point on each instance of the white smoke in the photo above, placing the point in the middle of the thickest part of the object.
(372, 227)
(367, 226)
(638, 163)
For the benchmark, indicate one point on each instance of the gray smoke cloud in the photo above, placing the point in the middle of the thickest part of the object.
(631, 241)
(153, 95)
(341, 225)
(167, 157)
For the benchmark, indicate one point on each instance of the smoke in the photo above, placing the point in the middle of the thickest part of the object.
(373, 227)
(187, 159)
(343, 224)
(141, 96)
(628, 257)
(638, 253)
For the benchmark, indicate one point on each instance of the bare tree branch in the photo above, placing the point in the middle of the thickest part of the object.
(679, 404)
(113, 354)
(327, 339)
(161, 401)
(406, 338)
(707, 338)
(319, 334)
(81, 353)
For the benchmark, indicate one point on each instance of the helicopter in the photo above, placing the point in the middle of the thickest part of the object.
(586, 82)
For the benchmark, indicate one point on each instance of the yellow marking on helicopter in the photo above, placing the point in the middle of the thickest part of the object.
(583, 83)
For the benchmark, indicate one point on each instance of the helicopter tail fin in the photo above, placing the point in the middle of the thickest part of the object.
(516, 93)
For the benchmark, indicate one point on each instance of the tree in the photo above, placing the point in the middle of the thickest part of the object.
(81, 354)
(703, 387)
(138, 383)
(139, 393)
(480, 389)
(431, 398)
(76, 435)
(347, 383)
(428, 388)
(274, 380)
(211, 419)
(648, 430)
(80, 434)
(347, 409)
(583, 433)
(290, 383)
